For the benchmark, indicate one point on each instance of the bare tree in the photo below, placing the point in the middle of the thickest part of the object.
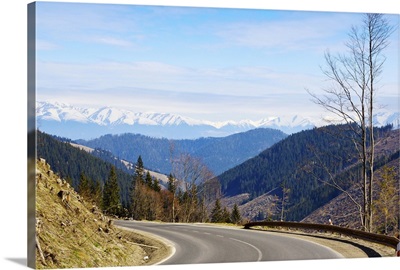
(191, 174)
(351, 98)
(284, 201)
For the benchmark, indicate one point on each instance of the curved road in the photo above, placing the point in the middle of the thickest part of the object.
(201, 243)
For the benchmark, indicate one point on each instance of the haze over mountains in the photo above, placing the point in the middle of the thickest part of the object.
(219, 154)
(252, 160)
(89, 123)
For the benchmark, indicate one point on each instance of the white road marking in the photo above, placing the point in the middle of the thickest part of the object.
(258, 250)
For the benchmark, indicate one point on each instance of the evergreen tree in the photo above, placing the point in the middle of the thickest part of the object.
(202, 215)
(84, 186)
(235, 216)
(156, 185)
(139, 170)
(149, 180)
(226, 216)
(172, 189)
(171, 184)
(216, 213)
(135, 189)
(96, 191)
(67, 161)
(111, 196)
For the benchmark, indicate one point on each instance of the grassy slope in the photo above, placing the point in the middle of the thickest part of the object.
(72, 235)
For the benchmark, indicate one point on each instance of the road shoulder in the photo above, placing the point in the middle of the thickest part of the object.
(347, 246)
(157, 248)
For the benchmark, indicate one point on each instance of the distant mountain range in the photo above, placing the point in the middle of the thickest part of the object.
(219, 154)
(88, 123)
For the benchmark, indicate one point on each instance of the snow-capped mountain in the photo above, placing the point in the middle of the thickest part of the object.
(86, 123)
(107, 116)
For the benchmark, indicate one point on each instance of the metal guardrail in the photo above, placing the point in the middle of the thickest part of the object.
(372, 237)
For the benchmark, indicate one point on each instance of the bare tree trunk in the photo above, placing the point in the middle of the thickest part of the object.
(191, 173)
(352, 97)
(365, 180)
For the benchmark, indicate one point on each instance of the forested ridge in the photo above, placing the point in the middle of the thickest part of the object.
(300, 164)
(137, 195)
(293, 170)
(219, 154)
(71, 163)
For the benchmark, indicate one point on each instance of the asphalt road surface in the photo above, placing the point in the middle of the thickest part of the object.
(202, 243)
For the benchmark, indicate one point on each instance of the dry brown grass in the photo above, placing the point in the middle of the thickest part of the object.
(74, 234)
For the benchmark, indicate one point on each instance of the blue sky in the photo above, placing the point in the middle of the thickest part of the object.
(207, 63)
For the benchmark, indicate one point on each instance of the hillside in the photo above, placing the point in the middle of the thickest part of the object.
(296, 163)
(341, 209)
(73, 233)
(257, 209)
(70, 162)
(219, 154)
(299, 163)
(125, 165)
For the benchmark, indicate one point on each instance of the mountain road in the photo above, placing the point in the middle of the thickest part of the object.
(202, 243)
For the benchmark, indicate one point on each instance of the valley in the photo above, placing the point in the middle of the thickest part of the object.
(283, 181)
(218, 154)
(178, 135)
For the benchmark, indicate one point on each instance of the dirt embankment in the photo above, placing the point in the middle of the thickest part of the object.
(73, 233)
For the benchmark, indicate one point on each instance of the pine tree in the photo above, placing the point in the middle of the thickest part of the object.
(171, 184)
(96, 191)
(139, 170)
(84, 186)
(136, 190)
(149, 180)
(111, 196)
(226, 216)
(172, 189)
(156, 185)
(216, 213)
(202, 215)
(235, 216)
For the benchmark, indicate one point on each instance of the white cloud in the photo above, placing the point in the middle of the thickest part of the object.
(289, 34)
(254, 80)
(254, 92)
(112, 41)
(206, 67)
